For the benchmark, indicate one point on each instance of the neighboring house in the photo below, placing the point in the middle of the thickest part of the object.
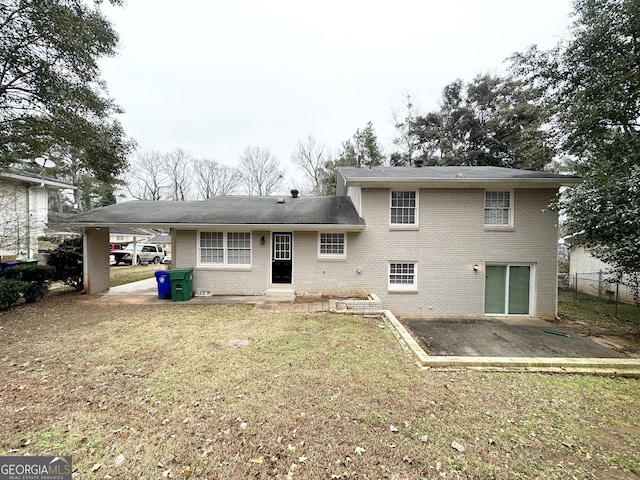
(431, 241)
(589, 274)
(126, 235)
(163, 241)
(24, 208)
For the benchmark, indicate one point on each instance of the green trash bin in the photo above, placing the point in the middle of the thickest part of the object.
(28, 261)
(181, 284)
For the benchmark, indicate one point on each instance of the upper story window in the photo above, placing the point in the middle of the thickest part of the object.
(225, 248)
(498, 209)
(404, 208)
(332, 245)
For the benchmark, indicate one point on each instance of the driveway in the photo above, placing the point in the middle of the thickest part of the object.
(491, 337)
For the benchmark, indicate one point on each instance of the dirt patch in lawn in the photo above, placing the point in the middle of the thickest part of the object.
(211, 391)
(621, 338)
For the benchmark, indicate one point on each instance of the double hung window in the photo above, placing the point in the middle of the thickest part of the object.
(404, 208)
(403, 276)
(225, 248)
(332, 245)
(498, 209)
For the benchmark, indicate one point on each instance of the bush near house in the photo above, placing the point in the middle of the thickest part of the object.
(10, 292)
(38, 278)
(67, 261)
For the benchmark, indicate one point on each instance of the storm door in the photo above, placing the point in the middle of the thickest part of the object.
(507, 290)
(281, 261)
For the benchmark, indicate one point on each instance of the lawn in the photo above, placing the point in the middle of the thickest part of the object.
(206, 391)
(122, 274)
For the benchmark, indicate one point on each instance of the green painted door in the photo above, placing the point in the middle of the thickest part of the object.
(519, 278)
(494, 289)
(507, 289)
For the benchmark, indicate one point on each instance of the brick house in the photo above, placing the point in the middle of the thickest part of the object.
(430, 241)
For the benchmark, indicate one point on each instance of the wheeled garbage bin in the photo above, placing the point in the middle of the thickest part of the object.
(181, 284)
(164, 284)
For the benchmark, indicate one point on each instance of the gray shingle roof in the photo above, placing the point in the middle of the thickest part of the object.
(229, 210)
(453, 174)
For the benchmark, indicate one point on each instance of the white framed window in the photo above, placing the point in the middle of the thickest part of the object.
(332, 245)
(403, 208)
(224, 248)
(498, 208)
(403, 276)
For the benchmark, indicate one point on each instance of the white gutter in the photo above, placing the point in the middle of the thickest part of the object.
(49, 183)
(249, 226)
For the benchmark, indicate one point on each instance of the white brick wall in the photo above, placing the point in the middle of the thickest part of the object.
(451, 238)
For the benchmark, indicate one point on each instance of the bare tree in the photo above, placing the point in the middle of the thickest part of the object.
(177, 169)
(312, 157)
(406, 140)
(213, 179)
(145, 178)
(261, 171)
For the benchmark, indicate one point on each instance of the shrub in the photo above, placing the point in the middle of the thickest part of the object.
(67, 261)
(10, 292)
(37, 276)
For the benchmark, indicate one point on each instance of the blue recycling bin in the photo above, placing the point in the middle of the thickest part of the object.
(164, 284)
(5, 265)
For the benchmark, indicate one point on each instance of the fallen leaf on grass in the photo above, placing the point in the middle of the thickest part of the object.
(457, 446)
(360, 450)
(257, 460)
(96, 467)
(424, 438)
(120, 460)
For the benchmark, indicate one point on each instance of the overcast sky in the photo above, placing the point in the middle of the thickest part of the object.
(213, 77)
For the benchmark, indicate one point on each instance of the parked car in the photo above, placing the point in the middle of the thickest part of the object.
(144, 253)
(167, 258)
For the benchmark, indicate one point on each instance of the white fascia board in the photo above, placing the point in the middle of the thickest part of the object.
(463, 182)
(244, 227)
(38, 181)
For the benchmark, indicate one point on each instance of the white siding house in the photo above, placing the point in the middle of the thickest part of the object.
(24, 207)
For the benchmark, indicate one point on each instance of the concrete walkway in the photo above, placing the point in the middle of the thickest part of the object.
(146, 292)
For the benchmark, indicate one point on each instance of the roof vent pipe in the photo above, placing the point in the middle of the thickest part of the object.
(418, 162)
(294, 193)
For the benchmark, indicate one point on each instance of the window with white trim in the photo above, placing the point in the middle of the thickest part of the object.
(332, 245)
(404, 206)
(498, 209)
(225, 248)
(403, 276)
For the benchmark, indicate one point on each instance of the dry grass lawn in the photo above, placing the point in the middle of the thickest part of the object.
(204, 391)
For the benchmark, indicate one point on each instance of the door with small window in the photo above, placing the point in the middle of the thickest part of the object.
(507, 290)
(282, 257)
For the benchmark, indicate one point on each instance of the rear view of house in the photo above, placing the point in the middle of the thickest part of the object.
(432, 241)
(458, 241)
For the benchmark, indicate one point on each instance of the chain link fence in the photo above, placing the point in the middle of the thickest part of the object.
(588, 288)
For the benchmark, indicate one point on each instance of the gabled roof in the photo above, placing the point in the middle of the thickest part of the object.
(302, 213)
(451, 177)
(26, 177)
